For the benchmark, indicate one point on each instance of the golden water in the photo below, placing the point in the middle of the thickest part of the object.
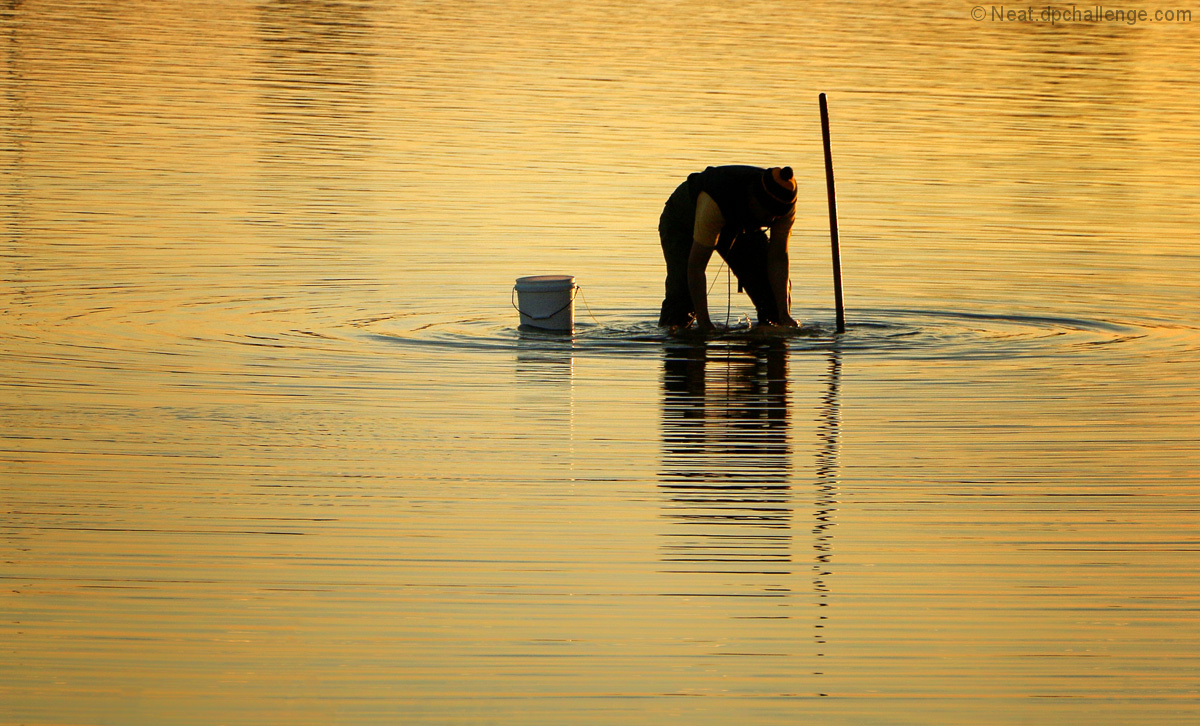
(272, 451)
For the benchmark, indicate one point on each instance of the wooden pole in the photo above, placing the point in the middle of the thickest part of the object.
(833, 227)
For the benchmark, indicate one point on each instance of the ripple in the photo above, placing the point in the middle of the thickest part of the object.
(889, 332)
(148, 332)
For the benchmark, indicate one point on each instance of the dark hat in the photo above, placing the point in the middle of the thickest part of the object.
(776, 190)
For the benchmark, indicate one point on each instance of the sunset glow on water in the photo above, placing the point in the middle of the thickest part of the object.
(272, 449)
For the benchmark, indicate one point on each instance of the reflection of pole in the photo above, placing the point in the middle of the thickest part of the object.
(828, 469)
(833, 228)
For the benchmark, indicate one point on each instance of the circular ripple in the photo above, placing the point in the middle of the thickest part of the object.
(879, 331)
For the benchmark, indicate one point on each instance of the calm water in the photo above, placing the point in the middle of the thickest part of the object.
(272, 451)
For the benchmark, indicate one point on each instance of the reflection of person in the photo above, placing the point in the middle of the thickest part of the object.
(726, 208)
(727, 463)
(719, 429)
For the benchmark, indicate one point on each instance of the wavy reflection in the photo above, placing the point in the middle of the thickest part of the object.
(726, 464)
(544, 399)
(828, 473)
(544, 358)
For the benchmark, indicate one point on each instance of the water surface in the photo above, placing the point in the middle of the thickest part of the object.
(272, 449)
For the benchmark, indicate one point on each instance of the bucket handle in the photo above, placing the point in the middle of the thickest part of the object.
(543, 317)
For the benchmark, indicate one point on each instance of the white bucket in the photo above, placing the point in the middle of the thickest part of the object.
(547, 301)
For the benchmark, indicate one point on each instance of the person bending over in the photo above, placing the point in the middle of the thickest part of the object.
(726, 208)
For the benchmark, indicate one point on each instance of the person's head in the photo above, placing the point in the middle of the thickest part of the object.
(773, 195)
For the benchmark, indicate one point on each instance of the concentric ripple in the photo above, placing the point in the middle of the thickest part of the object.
(879, 331)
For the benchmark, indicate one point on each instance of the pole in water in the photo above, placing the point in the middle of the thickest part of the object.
(833, 228)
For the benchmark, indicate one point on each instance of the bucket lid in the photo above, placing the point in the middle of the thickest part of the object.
(534, 283)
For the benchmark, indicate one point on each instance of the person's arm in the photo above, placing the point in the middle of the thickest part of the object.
(778, 270)
(698, 283)
(707, 228)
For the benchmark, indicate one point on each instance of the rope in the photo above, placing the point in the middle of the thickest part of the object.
(589, 308)
(728, 290)
(716, 277)
(728, 296)
(583, 298)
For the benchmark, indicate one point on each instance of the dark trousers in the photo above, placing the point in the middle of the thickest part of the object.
(745, 253)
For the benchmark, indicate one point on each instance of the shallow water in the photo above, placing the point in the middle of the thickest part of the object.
(272, 449)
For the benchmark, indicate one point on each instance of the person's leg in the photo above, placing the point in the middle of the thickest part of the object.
(747, 258)
(675, 235)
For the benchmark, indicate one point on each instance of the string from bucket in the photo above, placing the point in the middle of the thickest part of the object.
(516, 307)
(728, 296)
(728, 291)
(716, 277)
(585, 305)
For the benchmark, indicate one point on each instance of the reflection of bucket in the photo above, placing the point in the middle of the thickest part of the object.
(547, 301)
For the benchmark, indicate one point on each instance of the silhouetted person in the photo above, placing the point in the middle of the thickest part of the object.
(726, 208)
